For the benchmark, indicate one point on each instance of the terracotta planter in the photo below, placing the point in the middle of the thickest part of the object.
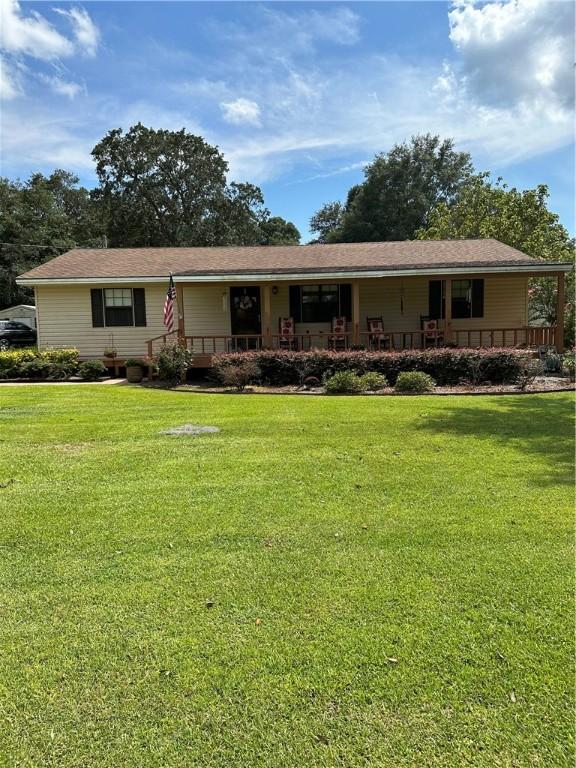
(134, 374)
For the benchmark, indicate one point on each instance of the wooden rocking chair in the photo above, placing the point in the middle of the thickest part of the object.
(377, 339)
(337, 340)
(286, 338)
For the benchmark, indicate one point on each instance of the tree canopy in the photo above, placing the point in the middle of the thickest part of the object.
(156, 188)
(520, 219)
(278, 231)
(40, 219)
(400, 189)
(162, 188)
(326, 220)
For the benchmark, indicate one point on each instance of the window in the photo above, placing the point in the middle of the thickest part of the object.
(467, 299)
(320, 303)
(461, 299)
(118, 307)
(13, 325)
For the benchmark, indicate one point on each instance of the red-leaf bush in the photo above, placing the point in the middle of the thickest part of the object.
(446, 366)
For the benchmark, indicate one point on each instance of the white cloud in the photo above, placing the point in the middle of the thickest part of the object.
(44, 134)
(337, 25)
(343, 116)
(9, 81)
(85, 31)
(285, 35)
(32, 34)
(336, 171)
(44, 142)
(241, 112)
(516, 52)
(62, 87)
(312, 111)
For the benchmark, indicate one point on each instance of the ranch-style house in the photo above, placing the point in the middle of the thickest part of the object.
(385, 296)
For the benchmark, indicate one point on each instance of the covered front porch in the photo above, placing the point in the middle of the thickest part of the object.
(381, 314)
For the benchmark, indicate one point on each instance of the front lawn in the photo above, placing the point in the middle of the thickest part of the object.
(326, 582)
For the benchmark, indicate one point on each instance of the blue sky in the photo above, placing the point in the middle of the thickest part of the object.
(298, 96)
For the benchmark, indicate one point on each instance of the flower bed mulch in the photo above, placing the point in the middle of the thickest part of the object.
(541, 385)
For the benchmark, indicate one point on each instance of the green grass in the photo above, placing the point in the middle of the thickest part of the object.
(391, 578)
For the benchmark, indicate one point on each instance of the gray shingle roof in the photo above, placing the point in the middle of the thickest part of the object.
(236, 260)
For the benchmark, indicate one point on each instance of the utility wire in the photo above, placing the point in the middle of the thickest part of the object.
(33, 245)
(28, 245)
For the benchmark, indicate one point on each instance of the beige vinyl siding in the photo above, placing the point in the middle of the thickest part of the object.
(505, 303)
(65, 320)
(207, 307)
(207, 313)
(402, 301)
(65, 314)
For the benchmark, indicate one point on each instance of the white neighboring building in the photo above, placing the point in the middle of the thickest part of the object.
(23, 313)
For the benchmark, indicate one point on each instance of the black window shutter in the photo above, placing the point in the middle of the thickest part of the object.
(97, 298)
(477, 298)
(346, 301)
(139, 306)
(295, 303)
(435, 299)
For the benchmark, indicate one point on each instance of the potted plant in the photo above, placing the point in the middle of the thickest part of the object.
(134, 370)
(110, 350)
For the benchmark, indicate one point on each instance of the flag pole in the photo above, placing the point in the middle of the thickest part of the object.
(169, 305)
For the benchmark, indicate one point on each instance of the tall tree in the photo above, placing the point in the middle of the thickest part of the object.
(164, 188)
(327, 220)
(40, 219)
(278, 231)
(520, 219)
(400, 189)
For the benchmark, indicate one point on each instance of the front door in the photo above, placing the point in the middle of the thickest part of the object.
(245, 317)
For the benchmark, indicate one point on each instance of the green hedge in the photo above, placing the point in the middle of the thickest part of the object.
(31, 363)
(446, 366)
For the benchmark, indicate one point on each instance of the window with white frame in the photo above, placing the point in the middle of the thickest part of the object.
(118, 306)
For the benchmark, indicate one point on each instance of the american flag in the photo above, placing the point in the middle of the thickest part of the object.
(169, 305)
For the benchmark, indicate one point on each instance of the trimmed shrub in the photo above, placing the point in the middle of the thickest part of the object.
(240, 375)
(37, 368)
(373, 381)
(173, 362)
(92, 370)
(552, 363)
(344, 383)
(447, 366)
(415, 382)
(32, 363)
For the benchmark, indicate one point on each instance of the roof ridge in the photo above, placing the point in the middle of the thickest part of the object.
(285, 245)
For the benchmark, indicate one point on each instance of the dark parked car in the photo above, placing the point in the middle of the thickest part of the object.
(15, 334)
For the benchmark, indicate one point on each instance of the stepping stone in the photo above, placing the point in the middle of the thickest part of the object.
(189, 429)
